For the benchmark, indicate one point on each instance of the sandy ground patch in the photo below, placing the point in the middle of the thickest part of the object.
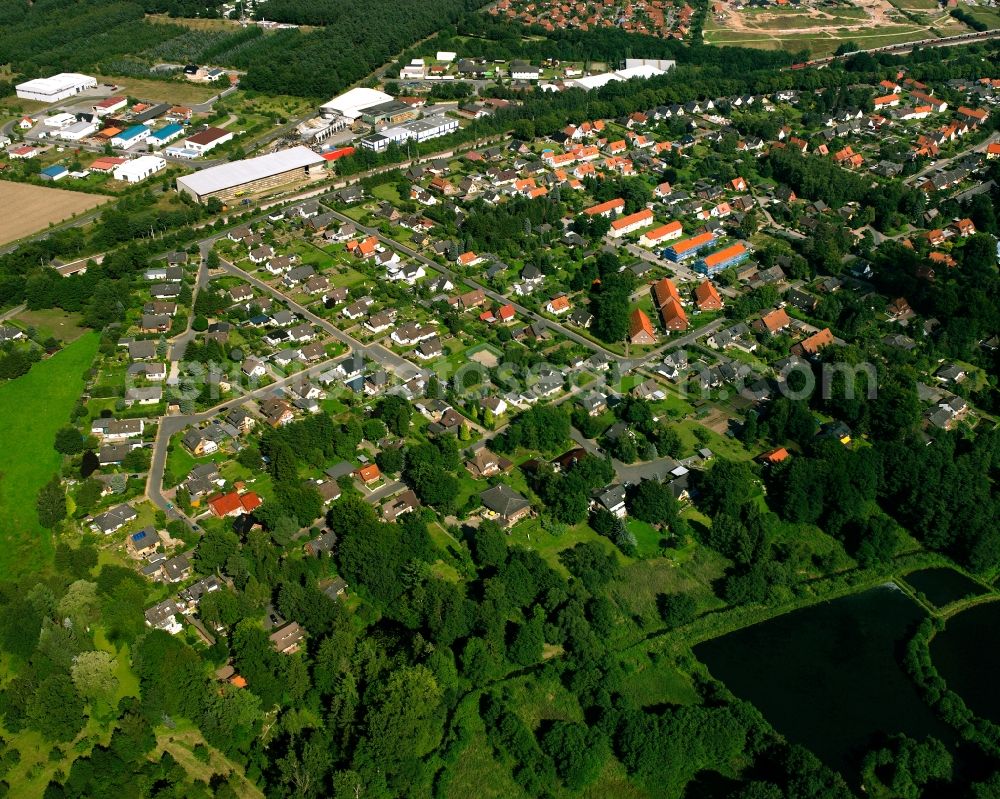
(486, 358)
(716, 420)
(878, 13)
(29, 209)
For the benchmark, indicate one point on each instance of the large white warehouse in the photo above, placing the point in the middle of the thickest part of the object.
(352, 103)
(58, 87)
(640, 71)
(252, 175)
(138, 169)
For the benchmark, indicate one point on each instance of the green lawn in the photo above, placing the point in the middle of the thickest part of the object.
(32, 409)
(659, 682)
(530, 535)
(179, 462)
(52, 322)
(386, 191)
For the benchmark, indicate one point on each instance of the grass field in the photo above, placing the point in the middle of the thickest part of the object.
(916, 5)
(179, 91)
(29, 209)
(32, 409)
(989, 16)
(63, 326)
(386, 191)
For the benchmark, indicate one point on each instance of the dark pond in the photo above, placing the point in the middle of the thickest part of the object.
(828, 676)
(967, 655)
(942, 585)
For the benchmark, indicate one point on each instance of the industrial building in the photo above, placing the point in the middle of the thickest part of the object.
(208, 139)
(109, 105)
(418, 130)
(76, 131)
(252, 175)
(138, 169)
(351, 104)
(641, 71)
(54, 172)
(58, 87)
(165, 134)
(59, 120)
(131, 137)
(392, 113)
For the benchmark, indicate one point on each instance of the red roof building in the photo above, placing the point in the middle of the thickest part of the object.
(775, 456)
(233, 504)
(673, 316)
(368, 474)
(667, 232)
(664, 291)
(773, 322)
(558, 305)
(106, 163)
(609, 208)
(631, 223)
(815, 342)
(640, 329)
(707, 297)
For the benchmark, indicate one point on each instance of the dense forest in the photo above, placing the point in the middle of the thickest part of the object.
(360, 38)
(40, 38)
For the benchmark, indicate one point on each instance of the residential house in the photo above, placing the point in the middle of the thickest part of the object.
(667, 300)
(485, 463)
(164, 617)
(594, 403)
(707, 297)
(234, 504)
(403, 502)
(253, 368)
(640, 328)
(143, 543)
(147, 371)
(143, 395)
(813, 344)
(113, 519)
(505, 504)
(631, 223)
(773, 322)
(322, 545)
(558, 305)
(288, 640)
(276, 412)
(368, 474)
(198, 443)
(110, 430)
(611, 499)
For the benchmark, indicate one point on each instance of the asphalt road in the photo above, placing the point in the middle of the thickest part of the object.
(171, 425)
(375, 352)
(179, 343)
(946, 162)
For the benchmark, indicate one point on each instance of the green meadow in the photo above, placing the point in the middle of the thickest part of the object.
(32, 408)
